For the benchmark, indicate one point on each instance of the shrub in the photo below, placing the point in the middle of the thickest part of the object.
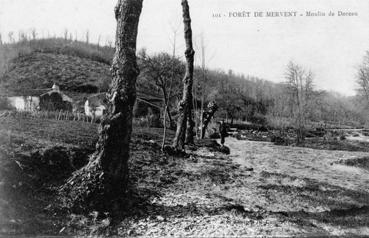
(212, 130)
(258, 119)
(279, 122)
(4, 104)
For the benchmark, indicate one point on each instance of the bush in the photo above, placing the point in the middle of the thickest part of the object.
(258, 119)
(4, 104)
(279, 122)
(212, 130)
(214, 135)
(279, 140)
(141, 122)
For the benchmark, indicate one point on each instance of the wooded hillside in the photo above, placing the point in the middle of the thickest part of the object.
(83, 68)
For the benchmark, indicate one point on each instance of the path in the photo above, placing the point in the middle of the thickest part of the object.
(301, 162)
(303, 186)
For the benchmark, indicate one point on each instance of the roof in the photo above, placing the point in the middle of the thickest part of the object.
(64, 97)
(16, 93)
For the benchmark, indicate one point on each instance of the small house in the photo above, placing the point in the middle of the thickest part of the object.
(55, 100)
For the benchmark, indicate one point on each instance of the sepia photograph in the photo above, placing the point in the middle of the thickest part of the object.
(184, 118)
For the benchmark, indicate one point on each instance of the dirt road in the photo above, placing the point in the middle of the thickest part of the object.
(309, 186)
(320, 165)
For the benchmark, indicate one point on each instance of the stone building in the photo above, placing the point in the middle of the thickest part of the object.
(55, 100)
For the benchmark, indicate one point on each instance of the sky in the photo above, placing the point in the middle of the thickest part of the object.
(331, 47)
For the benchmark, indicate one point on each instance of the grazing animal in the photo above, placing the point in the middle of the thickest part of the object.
(96, 106)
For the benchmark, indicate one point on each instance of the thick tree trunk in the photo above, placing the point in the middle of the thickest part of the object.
(113, 146)
(189, 140)
(185, 105)
(207, 116)
(105, 178)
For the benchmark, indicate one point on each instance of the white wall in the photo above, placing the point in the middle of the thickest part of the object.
(24, 103)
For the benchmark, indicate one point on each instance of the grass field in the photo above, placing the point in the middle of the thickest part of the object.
(260, 189)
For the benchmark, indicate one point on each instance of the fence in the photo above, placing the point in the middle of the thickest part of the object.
(68, 116)
(55, 115)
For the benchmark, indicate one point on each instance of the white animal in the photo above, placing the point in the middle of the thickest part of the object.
(96, 106)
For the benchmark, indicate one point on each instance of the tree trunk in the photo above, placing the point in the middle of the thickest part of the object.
(189, 140)
(202, 110)
(104, 180)
(206, 117)
(185, 105)
(167, 108)
(164, 128)
(171, 123)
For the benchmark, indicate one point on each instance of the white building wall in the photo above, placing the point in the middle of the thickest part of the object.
(24, 103)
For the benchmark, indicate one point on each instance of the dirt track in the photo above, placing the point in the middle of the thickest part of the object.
(310, 187)
(320, 165)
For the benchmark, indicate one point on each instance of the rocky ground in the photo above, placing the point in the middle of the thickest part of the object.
(260, 189)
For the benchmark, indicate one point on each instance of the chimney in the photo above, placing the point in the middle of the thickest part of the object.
(56, 88)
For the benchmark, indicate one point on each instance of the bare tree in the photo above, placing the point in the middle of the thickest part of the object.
(202, 86)
(76, 36)
(11, 37)
(203, 70)
(87, 36)
(166, 110)
(105, 177)
(109, 43)
(161, 71)
(300, 88)
(66, 34)
(363, 78)
(184, 132)
(34, 34)
(22, 36)
(98, 41)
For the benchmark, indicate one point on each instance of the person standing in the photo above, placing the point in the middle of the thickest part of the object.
(222, 132)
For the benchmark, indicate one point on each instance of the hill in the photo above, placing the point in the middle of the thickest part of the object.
(77, 67)
(40, 70)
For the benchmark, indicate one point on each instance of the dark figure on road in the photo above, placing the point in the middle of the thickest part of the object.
(222, 132)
